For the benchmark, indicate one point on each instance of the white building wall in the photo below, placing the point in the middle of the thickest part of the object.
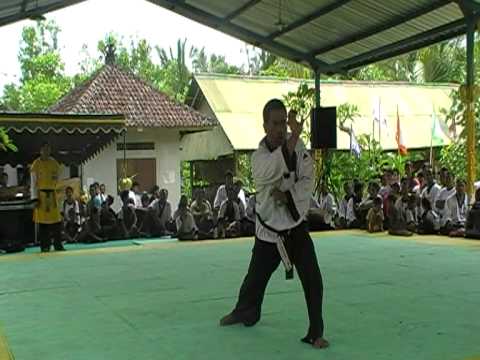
(103, 168)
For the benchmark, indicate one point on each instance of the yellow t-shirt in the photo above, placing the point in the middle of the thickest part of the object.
(46, 178)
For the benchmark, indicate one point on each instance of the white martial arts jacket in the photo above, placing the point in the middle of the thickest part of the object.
(443, 195)
(273, 169)
(456, 212)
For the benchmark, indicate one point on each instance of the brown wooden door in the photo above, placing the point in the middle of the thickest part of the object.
(145, 171)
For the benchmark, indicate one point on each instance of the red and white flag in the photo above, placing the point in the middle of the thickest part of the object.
(402, 148)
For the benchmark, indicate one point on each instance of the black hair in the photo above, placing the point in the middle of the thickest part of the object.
(274, 104)
(357, 186)
(135, 183)
(377, 201)
(124, 195)
(228, 173)
(68, 188)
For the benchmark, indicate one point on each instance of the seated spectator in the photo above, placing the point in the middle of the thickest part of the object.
(322, 216)
(71, 217)
(421, 184)
(402, 200)
(127, 217)
(185, 223)
(142, 214)
(396, 222)
(202, 214)
(221, 195)
(108, 220)
(412, 181)
(228, 224)
(431, 190)
(428, 223)
(91, 230)
(411, 213)
(238, 185)
(341, 219)
(155, 193)
(375, 216)
(386, 181)
(456, 210)
(353, 207)
(248, 223)
(137, 194)
(95, 201)
(472, 228)
(447, 191)
(160, 215)
(102, 192)
(366, 204)
(3, 180)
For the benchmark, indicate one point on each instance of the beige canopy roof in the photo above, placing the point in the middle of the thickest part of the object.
(237, 104)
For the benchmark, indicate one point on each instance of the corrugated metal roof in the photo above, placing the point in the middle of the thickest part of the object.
(331, 35)
(241, 116)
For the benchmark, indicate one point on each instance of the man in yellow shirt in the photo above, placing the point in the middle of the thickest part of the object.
(44, 177)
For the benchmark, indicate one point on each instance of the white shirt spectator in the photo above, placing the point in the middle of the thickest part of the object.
(457, 210)
(443, 196)
(326, 203)
(164, 212)
(185, 224)
(221, 196)
(431, 192)
(236, 209)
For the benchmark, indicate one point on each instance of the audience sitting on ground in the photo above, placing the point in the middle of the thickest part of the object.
(160, 216)
(367, 203)
(396, 222)
(428, 223)
(411, 213)
(457, 210)
(137, 194)
(127, 218)
(221, 194)
(353, 208)
(375, 216)
(341, 219)
(228, 223)
(431, 189)
(446, 192)
(248, 222)
(472, 228)
(103, 192)
(185, 223)
(155, 193)
(322, 215)
(71, 217)
(409, 175)
(108, 220)
(202, 214)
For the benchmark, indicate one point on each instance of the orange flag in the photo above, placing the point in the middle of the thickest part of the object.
(402, 148)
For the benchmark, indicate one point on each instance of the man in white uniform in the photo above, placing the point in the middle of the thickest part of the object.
(283, 173)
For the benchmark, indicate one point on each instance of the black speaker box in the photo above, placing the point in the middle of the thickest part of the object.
(323, 126)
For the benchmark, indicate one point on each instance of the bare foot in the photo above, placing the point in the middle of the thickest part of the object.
(320, 343)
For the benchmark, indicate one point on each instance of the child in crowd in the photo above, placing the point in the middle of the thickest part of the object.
(375, 216)
(71, 217)
(184, 220)
(127, 217)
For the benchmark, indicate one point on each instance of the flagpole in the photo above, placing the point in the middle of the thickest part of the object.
(379, 122)
(431, 137)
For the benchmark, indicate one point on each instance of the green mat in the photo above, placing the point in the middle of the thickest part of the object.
(385, 298)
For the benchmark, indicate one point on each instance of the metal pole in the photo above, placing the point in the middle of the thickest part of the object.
(317, 88)
(470, 107)
(319, 154)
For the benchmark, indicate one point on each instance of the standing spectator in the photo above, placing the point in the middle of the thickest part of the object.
(431, 190)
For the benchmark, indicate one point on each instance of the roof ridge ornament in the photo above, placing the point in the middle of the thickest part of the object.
(110, 54)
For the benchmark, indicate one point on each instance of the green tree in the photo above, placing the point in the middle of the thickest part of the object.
(43, 80)
(6, 143)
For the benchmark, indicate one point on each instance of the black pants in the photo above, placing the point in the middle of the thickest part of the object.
(265, 260)
(48, 231)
